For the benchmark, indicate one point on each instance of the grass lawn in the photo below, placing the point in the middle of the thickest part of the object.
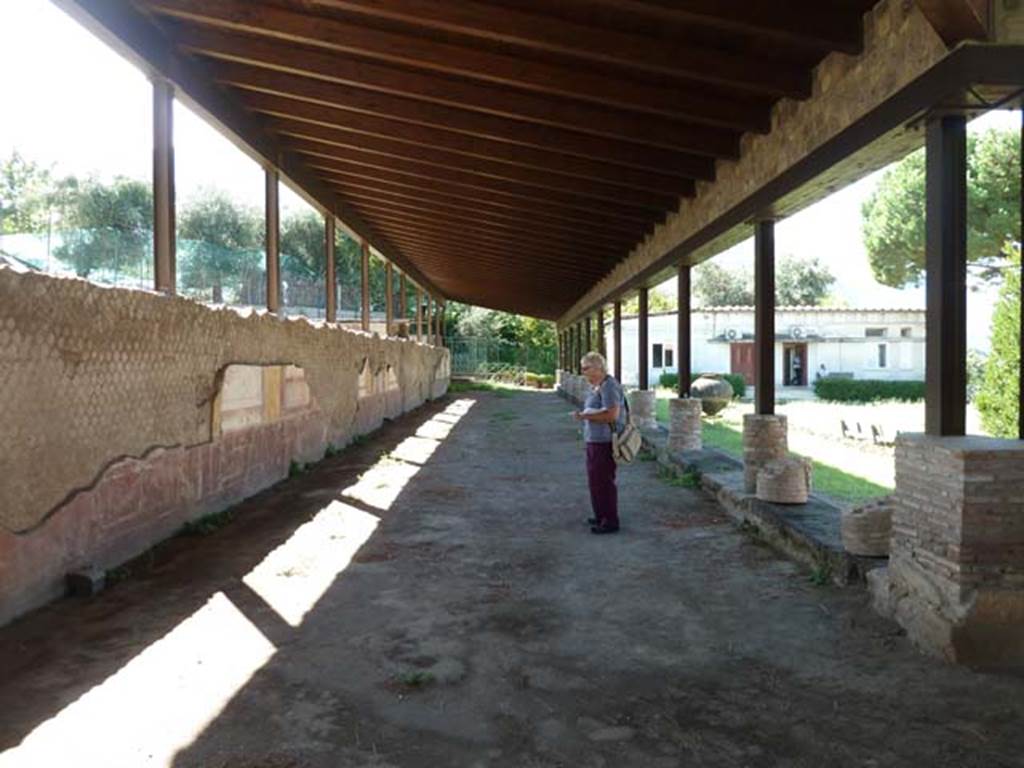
(828, 480)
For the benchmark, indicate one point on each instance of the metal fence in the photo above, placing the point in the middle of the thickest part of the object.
(490, 357)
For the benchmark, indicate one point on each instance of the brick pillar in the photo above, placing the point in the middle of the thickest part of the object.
(955, 579)
(684, 432)
(764, 441)
(641, 405)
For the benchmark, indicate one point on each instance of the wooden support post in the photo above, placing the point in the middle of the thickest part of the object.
(617, 339)
(389, 297)
(561, 351)
(946, 276)
(403, 303)
(642, 344)
(684, 351)
(430, 320)
(273, 239)
(444, 322)
(164, 258)
(764, 317)
(579, 348)
(330, 278)
(601, 346)
(588, 342)
(419, 313)
(366, 286)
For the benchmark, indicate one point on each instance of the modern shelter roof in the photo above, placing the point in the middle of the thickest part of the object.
(506, 153)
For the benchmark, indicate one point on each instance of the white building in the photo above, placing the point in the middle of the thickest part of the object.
(810, 341)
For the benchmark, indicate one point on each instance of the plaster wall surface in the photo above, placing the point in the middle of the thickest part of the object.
(899, 45)
(118, 427)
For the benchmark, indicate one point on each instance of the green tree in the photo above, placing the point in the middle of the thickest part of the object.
(106, 226)
(303, 259)
(24, 195)
(716, 286)
(997, 399)
(656, 302)
(893, 217)
(802, 282)
(219, 245)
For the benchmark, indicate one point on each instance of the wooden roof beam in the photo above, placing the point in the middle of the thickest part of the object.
(517, 181)
(415, 189)
(381, 212)
(458, 217)
(322, 119)
(373, 165)
(339, 40)
(657, 129)
(549, 254)
(623, 150)
(957, 20)
(810, 24)
(508, 25)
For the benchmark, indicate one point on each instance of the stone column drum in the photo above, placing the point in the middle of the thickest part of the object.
(955, 579)
(684, 432)
(641, 405)
(764, 441)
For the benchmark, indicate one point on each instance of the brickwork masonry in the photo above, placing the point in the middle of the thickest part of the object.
(955, 579)
(110, 440)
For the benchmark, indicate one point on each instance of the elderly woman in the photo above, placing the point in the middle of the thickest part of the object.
(603, 411)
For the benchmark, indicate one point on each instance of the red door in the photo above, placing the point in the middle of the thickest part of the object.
(741, 360)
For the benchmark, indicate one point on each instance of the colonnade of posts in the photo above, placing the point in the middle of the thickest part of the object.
(946, 292)
(429, 312)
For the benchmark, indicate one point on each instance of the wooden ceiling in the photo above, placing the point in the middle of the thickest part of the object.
(512, 150)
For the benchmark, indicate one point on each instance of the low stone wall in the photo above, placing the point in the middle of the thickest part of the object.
(955, 580)
(127, 413)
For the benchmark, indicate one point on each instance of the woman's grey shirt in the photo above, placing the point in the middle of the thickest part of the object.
(607, 394)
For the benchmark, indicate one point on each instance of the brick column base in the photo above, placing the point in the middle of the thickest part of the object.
(955, 579)
(764, 441)
(641, 405)
(684, 432)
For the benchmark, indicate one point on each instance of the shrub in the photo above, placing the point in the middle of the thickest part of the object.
(997, 396)
(868, 390)
(540, 380)
(739, 384)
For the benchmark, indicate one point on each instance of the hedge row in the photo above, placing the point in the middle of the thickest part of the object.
(540, 380)
(739, 384)
(868, 390)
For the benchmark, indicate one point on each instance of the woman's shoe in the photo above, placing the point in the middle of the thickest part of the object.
(604, 528)
(593, 521)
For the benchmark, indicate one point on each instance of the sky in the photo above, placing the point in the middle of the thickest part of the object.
(79, 107)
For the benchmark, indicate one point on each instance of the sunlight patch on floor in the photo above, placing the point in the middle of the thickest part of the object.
(382, 483)
(157, 703)
(292, 578)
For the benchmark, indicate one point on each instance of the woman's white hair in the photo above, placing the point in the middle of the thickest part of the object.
(594, 360)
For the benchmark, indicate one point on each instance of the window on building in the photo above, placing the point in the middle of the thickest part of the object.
(906, 333)
(658, 356)
(669, 356)
(883, 351)
(874, 332)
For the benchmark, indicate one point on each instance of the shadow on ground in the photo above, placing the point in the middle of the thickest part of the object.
(450, 608)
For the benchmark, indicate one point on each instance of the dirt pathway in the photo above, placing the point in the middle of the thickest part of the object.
(433, 598)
